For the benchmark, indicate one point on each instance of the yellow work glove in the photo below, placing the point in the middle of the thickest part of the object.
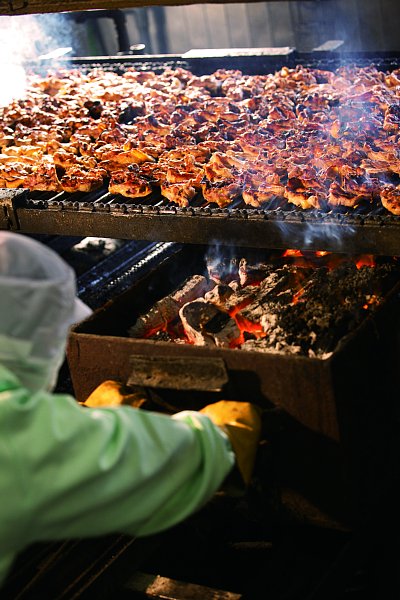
(241, 421)
(114, 393)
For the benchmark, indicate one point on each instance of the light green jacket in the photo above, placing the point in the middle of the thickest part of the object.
(71, 471)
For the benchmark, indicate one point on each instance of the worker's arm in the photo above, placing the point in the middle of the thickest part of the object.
(71, 471)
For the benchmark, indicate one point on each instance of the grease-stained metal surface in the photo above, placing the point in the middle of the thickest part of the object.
(157, 220)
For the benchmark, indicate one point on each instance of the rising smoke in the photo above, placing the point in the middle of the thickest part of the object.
(27, 38)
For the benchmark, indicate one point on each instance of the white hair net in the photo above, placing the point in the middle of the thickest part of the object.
(38, 304)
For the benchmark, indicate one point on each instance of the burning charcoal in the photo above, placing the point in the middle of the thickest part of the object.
(331, 304)
(167, 309)
(296, 308)
(288, 278)
(219, 295)
(206, 325)
(241, 297)
(161, 336)
(222, 270)
(193, 288)
(163, 311)
(279, 288)
(252, 273)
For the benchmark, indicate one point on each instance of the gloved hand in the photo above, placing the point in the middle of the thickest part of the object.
(114, 393)
(241, 421)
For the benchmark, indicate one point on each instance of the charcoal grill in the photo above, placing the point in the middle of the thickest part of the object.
(281, 225)
(319, 451)
(331, 397)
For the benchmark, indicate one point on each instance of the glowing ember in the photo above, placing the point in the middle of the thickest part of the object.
(366, 260)
(373, 299)
(292, 253)
(248, 329)
(303, 304)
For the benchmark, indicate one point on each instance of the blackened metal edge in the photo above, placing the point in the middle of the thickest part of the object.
(247, 63)
(99, 284)
(358, 234)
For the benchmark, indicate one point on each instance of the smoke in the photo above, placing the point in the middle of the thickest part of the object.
(26, 38)
(314, 236)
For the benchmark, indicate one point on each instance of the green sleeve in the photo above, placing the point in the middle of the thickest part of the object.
(72, 471)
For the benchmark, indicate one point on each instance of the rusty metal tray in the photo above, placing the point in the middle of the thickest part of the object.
(307, 388)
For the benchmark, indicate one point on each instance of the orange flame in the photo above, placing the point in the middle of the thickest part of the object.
(365, 260)
(291, 252)
(248, 327)
(330, 260)
(297, 296)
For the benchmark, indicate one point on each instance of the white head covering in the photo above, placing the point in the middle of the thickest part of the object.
(38, 304)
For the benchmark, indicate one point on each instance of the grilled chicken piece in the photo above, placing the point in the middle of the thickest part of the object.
(222, 167)
(6, 159)
(262, 194)
(193, 176)
(129, 184)
(303, 197)
(392, 118)
(260, 188)
(338, 196)
(79, 179)
(221, 194)
(14, 174)
(390, 198)
(122, 157)
(180, 193)
(66, 160)
(93, 129)
(43, 178)
(115, 159)
(82, 144)
(31, 152)
(305, 189)
(193, 155)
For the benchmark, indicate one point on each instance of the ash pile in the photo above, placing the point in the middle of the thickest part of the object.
(295, 303)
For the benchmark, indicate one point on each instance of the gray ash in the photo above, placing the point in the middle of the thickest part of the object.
(332, 305)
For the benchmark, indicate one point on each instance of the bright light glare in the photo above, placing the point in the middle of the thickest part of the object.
(15, 46)
(56, 53)
(15, 78)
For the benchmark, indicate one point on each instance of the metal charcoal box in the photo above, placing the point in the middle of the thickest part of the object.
(342, 407)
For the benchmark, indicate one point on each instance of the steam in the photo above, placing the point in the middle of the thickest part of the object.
(27, 38)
